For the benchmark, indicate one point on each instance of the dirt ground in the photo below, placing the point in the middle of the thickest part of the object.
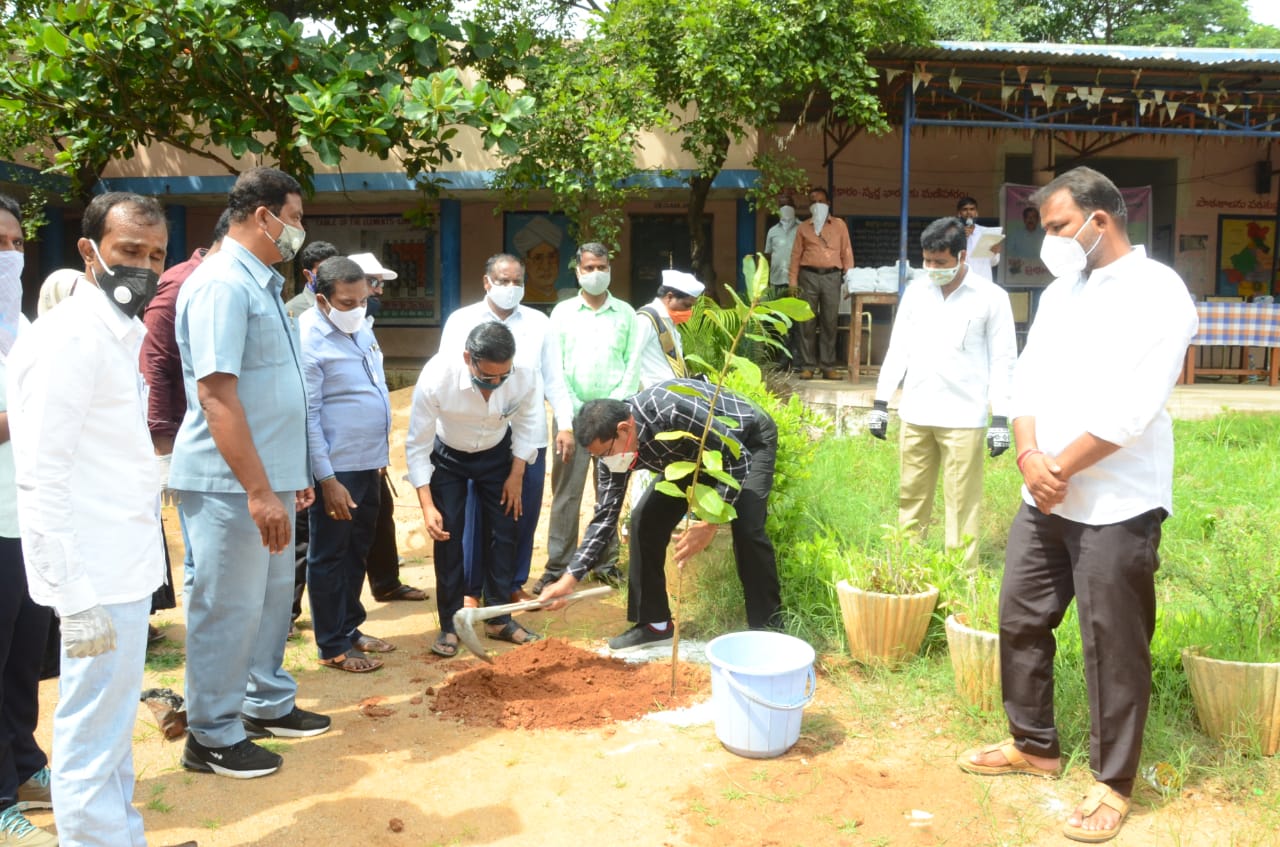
(429, 751)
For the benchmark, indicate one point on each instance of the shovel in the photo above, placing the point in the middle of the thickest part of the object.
(464, 620)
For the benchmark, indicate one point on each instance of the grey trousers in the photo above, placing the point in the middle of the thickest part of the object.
(567, 481)
(821, 290)
(1110, 571)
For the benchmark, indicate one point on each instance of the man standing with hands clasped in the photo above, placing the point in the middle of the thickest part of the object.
(240, 468)
(820, 257)
(1095, 447)
(953, 349)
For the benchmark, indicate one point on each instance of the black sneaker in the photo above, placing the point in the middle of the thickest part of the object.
(640, 635)
(297, 724)
(243, 760)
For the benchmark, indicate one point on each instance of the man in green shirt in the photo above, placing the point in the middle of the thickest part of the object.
(595, 339)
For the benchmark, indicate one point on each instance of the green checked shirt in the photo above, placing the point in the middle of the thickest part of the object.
(598, 350)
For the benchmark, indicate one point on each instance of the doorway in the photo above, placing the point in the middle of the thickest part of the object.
(658, 243)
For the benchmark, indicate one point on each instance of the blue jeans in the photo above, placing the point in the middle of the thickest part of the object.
(335, 562)
(535, 480)
(93, 738)
(237, 619)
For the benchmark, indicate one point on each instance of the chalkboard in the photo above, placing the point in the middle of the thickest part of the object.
(875, 239)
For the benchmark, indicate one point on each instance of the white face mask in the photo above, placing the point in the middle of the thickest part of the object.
(349, 321)
(619, 462)
(594, 282)
(506, 297)
(942, 277)
(787, 214)
(820, 212)
(11, 262)
(1064, 256)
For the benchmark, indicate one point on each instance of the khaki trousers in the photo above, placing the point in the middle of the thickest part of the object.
(958, 454)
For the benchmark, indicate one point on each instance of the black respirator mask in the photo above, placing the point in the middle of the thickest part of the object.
(128, 288)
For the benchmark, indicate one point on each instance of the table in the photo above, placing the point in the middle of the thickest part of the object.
(1237, 325)
(855, 327)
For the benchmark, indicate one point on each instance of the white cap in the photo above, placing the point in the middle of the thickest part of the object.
(372, 267)
(685, 283)
(55, 288)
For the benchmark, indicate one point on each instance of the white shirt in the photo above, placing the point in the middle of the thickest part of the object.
(533, 351)
(1102, 357)
(88, 479)
(8, 489)
(778, 242)
(954, 356)
(448, 406)
(654, 367)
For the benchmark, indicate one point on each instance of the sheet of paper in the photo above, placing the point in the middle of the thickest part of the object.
(988, 237)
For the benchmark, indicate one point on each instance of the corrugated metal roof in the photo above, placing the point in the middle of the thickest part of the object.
(1091, 55)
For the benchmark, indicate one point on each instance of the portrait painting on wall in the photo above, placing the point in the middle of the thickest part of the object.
(542, 241)
(413, 297)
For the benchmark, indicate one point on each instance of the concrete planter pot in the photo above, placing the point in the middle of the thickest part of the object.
(884, 628)
(975, 659)
(1236, 700)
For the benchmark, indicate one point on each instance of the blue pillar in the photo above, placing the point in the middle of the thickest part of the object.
(908, 122)
(450, 257)
(745, 239)
(177, 217)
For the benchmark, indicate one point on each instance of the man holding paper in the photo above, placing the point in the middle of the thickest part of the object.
(983, 243)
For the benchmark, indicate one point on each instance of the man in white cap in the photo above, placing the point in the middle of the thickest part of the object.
(661, 354)
(383, 562)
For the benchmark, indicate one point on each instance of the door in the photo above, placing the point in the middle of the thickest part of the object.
(658, 243)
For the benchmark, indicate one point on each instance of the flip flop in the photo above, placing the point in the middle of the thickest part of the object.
(1100, 795)
(1015, 762)
(402, 592)
(509, 631)
(444, 647)
(347, 662)
(369, 644)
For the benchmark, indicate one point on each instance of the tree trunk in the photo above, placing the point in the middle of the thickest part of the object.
(699, 188)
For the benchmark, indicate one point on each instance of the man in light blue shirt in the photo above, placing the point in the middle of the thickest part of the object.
(240, 471)
(348, 424)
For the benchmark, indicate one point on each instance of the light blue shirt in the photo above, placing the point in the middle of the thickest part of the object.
(231, 320)
(348, 408)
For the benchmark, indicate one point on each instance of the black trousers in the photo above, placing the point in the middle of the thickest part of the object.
(1110, 571)
(383, 563)
(486, 470)
(657, 515)
(24, 626)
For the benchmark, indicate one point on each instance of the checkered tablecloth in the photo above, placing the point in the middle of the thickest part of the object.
(1238, 325)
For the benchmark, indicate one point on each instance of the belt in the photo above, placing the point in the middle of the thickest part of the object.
(820, 270)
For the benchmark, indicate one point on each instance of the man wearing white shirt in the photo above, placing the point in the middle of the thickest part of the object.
(89, 509)
(1095, 448)
(504, 278)
(967, 211)
(661, 354)
(474, 420)
(953, 349)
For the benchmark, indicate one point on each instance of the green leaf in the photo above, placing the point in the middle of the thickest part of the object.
(674, 435)
(793, 307)
(710, 506)
(747, 367)
(670, 489)
(54, 41)
(678, 470)
(712, 460)
(726, 478)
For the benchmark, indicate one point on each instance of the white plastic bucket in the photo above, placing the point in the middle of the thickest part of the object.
(760, 684)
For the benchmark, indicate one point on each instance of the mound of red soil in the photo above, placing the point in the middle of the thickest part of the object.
(554, 685)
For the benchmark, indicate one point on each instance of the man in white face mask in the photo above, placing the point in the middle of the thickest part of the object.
(778, 242)
(240, 470)
(504, 286)
(348, 428)
(597, 347)
(820, 257)
(1095, 448)
(952, 349)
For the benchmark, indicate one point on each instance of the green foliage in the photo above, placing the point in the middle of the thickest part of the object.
(710, 71)
(97, 80)
(1174, 23)
(900, 564)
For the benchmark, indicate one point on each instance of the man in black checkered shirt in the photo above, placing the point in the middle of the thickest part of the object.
(624, 435)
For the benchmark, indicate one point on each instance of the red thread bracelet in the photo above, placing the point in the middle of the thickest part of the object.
(1030, 451)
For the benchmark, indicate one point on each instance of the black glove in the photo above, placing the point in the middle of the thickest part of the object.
(998, 435)
(878, 419)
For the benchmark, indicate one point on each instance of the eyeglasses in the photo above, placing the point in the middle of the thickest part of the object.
(490, 379)
(606, 451)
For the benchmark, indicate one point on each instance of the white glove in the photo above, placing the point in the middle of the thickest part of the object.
(168, 497)
(88, 633)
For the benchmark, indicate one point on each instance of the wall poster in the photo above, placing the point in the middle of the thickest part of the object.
(1246, 256)
(413, 297)
(542, 240)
